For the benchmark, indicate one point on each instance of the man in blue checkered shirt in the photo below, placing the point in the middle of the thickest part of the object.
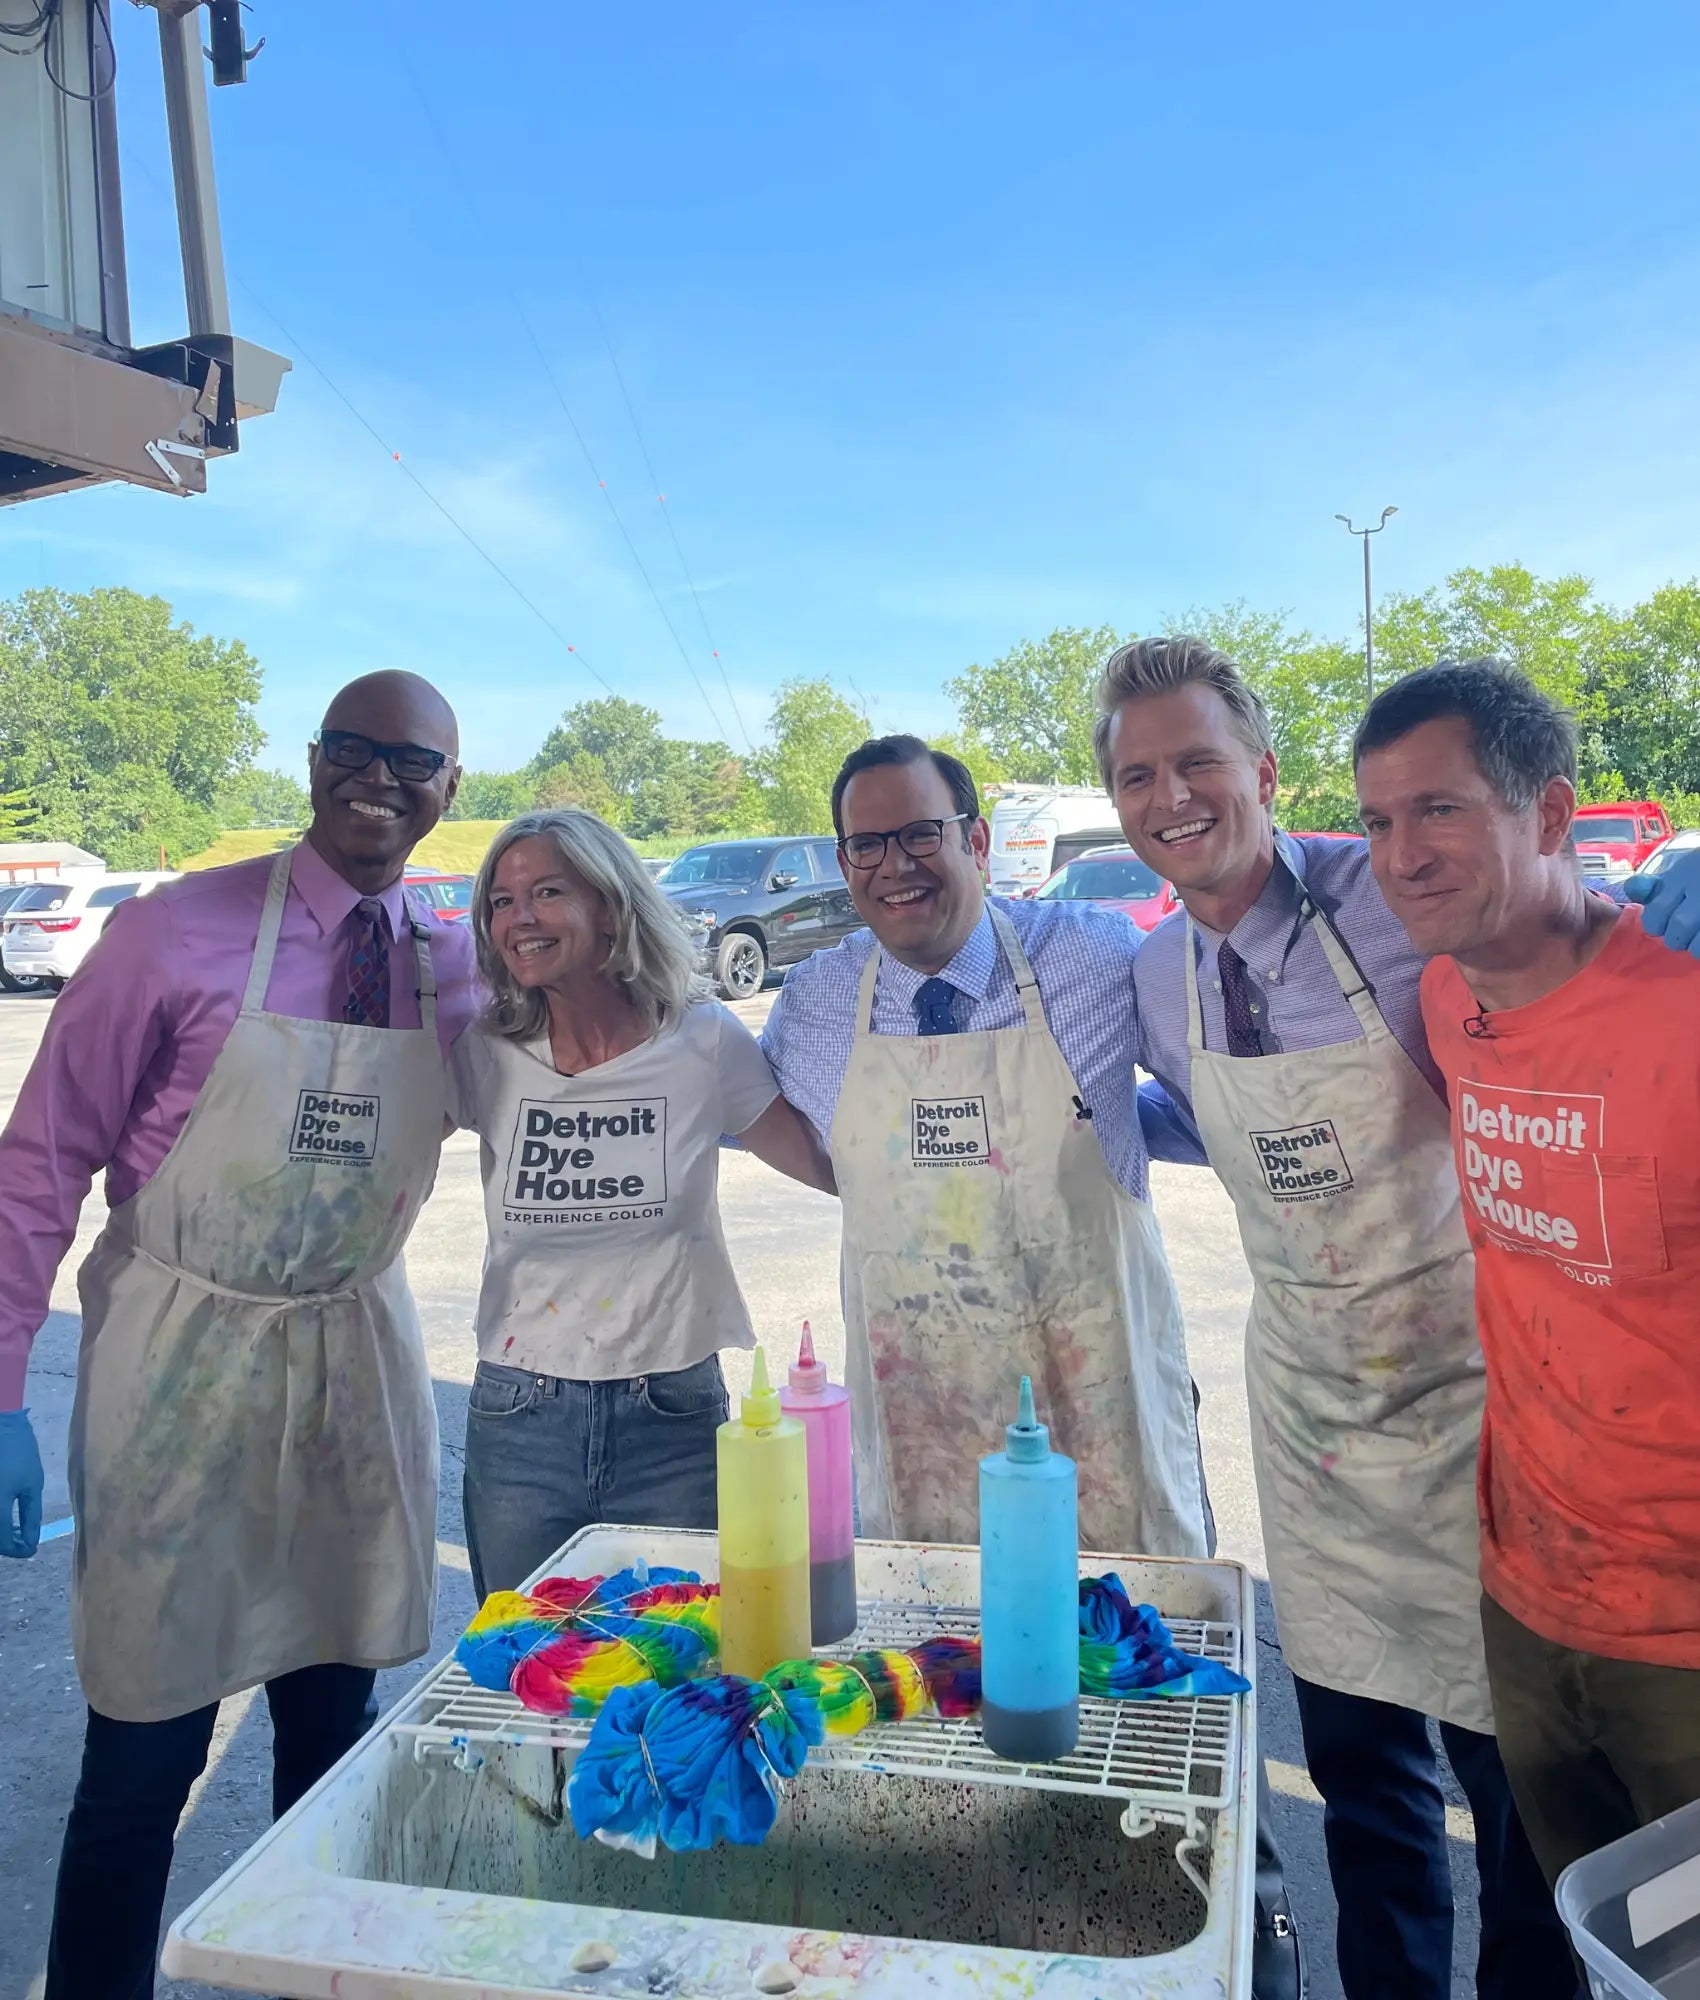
(1279, 1010)
(970, 1063)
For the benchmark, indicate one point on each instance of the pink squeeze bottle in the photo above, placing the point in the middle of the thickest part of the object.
(823, 1409)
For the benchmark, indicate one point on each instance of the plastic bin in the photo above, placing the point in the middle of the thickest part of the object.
(1633, 1910)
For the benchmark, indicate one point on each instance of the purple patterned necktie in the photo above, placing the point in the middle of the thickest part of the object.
(368, 1002)
(1243, 1038)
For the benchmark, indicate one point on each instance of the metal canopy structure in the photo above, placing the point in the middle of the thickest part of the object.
(79, 405)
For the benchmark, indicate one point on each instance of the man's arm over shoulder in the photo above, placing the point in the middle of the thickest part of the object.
(807, 1036)
(105, 1029)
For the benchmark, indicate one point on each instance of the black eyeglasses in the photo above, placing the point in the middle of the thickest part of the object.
(352, 752)
(919, 838)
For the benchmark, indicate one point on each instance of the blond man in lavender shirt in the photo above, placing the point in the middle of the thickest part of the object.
(254, 1056)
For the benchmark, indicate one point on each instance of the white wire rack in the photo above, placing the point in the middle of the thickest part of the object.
(1170, 1759)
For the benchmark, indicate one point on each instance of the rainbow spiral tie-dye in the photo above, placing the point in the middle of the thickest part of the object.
(564, 1647)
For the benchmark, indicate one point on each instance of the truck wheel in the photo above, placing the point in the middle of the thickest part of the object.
(740, 966)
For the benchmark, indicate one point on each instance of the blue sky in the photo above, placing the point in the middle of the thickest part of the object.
(944, 326)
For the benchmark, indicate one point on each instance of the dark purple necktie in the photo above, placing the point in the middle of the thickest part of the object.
(368, 1002)
(1243, 1038)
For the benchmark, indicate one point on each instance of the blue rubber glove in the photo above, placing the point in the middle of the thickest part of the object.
(1670, 902)
(20, 1485)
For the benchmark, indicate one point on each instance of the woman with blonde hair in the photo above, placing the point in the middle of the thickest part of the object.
(600, 1081)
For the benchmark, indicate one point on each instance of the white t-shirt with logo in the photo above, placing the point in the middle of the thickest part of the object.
(605, 1256)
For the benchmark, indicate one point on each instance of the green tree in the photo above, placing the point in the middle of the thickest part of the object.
(263, 798)
(624, 737)
(580, 780)
(1645, 693)
(121, 724)
(1033, 707)
(1554, 630)
(19, 819)
(493, 795)
(812, 730)
(985, 767)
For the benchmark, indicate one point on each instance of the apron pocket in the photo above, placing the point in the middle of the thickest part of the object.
(503, 1392)
(684, 1392)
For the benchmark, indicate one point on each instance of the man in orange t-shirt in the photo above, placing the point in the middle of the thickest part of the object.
(1569, 1040)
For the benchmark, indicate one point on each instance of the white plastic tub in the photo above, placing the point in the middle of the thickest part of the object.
(437, 1858)
(1633, 1910)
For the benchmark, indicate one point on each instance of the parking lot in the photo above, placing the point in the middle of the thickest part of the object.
(784, 1242)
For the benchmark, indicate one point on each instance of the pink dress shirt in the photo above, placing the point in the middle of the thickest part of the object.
(135, 1034)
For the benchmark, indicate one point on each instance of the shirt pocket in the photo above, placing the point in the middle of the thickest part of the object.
(1624, 1189)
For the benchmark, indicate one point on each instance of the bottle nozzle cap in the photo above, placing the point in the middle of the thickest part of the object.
(760, 1408)
(1027, 1440)
(807, 1375)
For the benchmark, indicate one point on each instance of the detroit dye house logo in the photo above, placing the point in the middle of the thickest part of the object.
(1531, 1172)
(948, 1131)
(1303, 1162)
(333, 1125)
(587, 1161)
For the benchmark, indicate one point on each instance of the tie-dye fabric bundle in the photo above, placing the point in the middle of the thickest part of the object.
(563, 1648)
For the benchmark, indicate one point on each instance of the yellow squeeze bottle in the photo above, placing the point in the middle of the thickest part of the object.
(761, 1459)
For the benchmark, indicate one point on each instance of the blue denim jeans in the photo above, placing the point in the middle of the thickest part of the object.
(546, 1456)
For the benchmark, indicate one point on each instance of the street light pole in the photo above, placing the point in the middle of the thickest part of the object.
(1363, 535)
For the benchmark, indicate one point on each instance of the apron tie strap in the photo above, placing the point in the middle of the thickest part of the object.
(276, 1304)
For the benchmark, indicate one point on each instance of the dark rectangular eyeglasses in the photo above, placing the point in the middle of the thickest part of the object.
(350, 751)
(919, 838)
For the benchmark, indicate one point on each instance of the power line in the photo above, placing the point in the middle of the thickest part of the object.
(661, 498)
(457, 180)
(459, 527)
(643, 568)
(396, 458)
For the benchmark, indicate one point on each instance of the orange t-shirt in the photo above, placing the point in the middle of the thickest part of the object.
(1576, 1124)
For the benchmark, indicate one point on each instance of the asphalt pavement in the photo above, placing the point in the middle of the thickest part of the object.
(784, 1243)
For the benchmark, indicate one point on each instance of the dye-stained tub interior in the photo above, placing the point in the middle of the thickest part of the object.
(440, 1852)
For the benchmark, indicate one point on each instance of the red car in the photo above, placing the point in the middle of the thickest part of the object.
(1117, 877)
(448, 897)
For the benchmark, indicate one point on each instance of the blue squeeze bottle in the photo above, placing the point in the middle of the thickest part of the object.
(1029, 1595)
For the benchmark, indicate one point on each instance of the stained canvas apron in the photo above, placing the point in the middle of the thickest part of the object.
(1363, 1370)
(985, 1239)
(254, 1445)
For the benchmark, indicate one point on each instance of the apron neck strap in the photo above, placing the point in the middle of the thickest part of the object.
(1355, 989)
(865, 994)
(1194, 1012)
(1026, 986)
(271, 924)
(265, 944)
(427, 971)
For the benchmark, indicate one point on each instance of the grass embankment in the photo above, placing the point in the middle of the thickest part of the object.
(456, 845)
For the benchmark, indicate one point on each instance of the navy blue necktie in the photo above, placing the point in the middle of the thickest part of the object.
(935, 1007)
(1243, 1038)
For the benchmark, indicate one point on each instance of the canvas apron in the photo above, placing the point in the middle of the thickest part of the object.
(254, 1445)
(985, 1239)
(1363, 1370)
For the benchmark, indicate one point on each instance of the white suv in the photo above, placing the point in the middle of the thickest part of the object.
(52, 926)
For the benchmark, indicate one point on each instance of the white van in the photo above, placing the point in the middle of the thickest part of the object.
(1036, 828)
(52, 926)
